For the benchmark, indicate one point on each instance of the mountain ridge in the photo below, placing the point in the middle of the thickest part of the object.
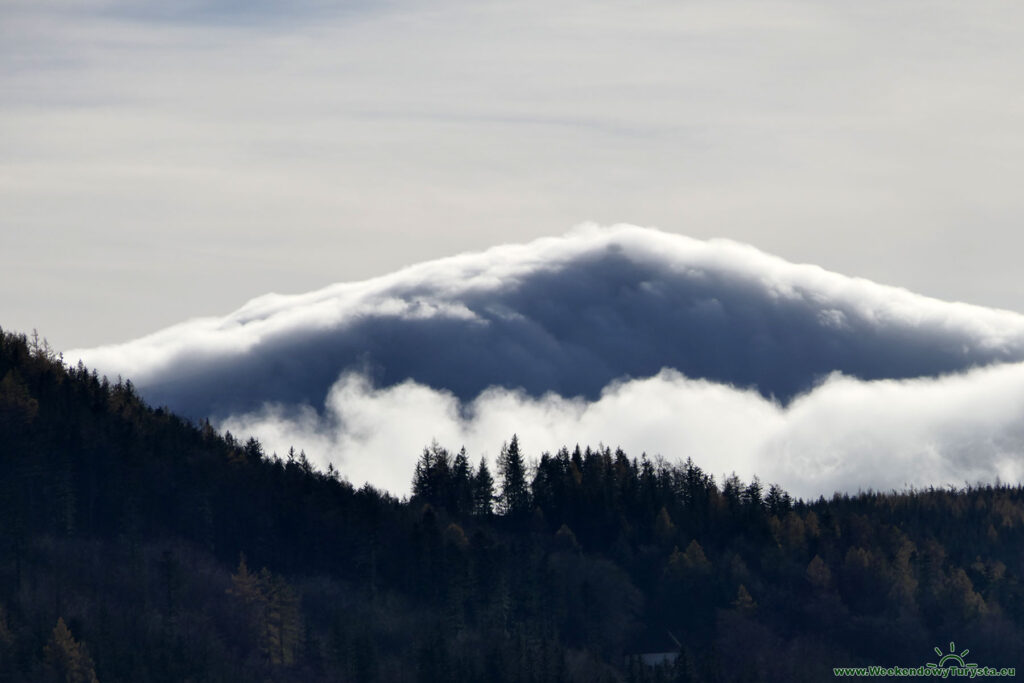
(567, 315)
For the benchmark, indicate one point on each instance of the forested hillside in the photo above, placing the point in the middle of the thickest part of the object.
(136, 546)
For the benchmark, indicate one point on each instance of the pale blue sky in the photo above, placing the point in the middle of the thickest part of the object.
(160, 161)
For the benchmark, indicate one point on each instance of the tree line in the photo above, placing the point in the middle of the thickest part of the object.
(138, 546)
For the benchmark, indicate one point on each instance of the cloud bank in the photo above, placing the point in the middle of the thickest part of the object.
(566, 315)
(629, 336)
(846, 435)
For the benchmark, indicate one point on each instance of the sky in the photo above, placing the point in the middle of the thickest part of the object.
(163, 161)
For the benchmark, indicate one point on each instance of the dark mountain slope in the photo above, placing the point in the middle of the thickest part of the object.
(565, 315)
(122, 528)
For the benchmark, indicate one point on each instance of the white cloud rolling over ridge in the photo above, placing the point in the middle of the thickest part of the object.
(626, 336)
(844, 436)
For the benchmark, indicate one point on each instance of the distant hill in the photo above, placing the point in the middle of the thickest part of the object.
(138, 546)
(567, 315)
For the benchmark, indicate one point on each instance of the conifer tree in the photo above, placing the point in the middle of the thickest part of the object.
(515, 495)
(483, 491)
(65, 660)
(282, 620)
(461, 494)
(432, 477)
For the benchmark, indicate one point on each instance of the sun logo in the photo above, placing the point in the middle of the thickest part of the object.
(951, 658)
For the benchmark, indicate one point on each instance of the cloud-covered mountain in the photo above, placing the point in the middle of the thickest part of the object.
(566, 315)
(627, 335)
